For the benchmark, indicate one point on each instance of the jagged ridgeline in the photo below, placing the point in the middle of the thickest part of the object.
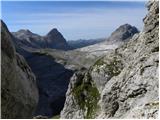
(54, 39)
(122, 84)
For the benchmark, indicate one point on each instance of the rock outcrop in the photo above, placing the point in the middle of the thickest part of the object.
(53, 39)
(19, 94)
(122, 84)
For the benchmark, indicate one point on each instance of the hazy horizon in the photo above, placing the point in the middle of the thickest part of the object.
(75, 20)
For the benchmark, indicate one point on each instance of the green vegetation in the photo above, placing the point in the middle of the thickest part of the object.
(56, 117)
(87, 96)
(112, 67)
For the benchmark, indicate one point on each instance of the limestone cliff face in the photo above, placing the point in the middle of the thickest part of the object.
(19, 95)
(124, 83)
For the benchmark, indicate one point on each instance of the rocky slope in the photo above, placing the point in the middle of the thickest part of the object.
(122, 84)
(53, 39)
(19, 94)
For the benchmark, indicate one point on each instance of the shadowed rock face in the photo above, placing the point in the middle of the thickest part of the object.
(126, 79)
(19, 95)
(53, 39)
(53, 79)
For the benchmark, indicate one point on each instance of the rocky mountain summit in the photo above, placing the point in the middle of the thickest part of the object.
(117, 38)
(19, 94)
(122, 84)
(123, 33)
(53, 39)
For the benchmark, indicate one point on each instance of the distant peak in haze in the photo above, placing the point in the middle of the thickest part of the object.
(53, 32)
(26, 31)
(127, 27)
(123, 33)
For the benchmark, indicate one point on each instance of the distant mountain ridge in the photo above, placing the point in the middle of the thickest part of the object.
(54, 39)
(83, 43)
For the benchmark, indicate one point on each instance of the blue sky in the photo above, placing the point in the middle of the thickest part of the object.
(75, 20)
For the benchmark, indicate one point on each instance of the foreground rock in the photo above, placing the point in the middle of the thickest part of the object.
(124, 83)
(19, 95)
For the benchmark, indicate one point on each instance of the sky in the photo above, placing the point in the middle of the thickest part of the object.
(75, 20)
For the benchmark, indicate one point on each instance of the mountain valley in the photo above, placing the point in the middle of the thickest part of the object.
(114, 77)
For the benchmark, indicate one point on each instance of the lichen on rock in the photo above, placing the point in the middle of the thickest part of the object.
(87, 96)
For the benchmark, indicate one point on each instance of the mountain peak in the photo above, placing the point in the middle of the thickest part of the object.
(53, 31)
(123, 33)
(56, 40)
(126, 27)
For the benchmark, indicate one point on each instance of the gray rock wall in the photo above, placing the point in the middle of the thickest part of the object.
(19, 94)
